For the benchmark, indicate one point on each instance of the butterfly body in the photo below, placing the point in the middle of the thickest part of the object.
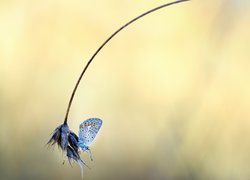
(87, 133)
(83, 146)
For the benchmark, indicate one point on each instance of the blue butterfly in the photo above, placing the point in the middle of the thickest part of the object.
(87, 133)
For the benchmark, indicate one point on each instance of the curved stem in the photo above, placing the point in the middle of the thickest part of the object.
(105, 42)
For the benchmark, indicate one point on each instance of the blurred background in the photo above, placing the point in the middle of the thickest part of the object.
(173, 89)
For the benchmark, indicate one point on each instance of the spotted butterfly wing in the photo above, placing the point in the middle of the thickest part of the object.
(88, 130)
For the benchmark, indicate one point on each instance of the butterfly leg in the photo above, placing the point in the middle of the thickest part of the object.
(90, 154)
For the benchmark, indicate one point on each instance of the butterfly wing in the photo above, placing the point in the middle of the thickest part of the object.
(88, 130)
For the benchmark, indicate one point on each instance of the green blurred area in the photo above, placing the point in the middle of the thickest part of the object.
(173, 89)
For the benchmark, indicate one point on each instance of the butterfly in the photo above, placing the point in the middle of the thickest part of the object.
(88, 130)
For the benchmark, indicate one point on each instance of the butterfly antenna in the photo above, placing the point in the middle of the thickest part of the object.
(105, 42)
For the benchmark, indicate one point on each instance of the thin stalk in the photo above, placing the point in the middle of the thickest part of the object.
(105, 42)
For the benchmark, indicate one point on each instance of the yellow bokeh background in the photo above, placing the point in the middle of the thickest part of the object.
(173, 89)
